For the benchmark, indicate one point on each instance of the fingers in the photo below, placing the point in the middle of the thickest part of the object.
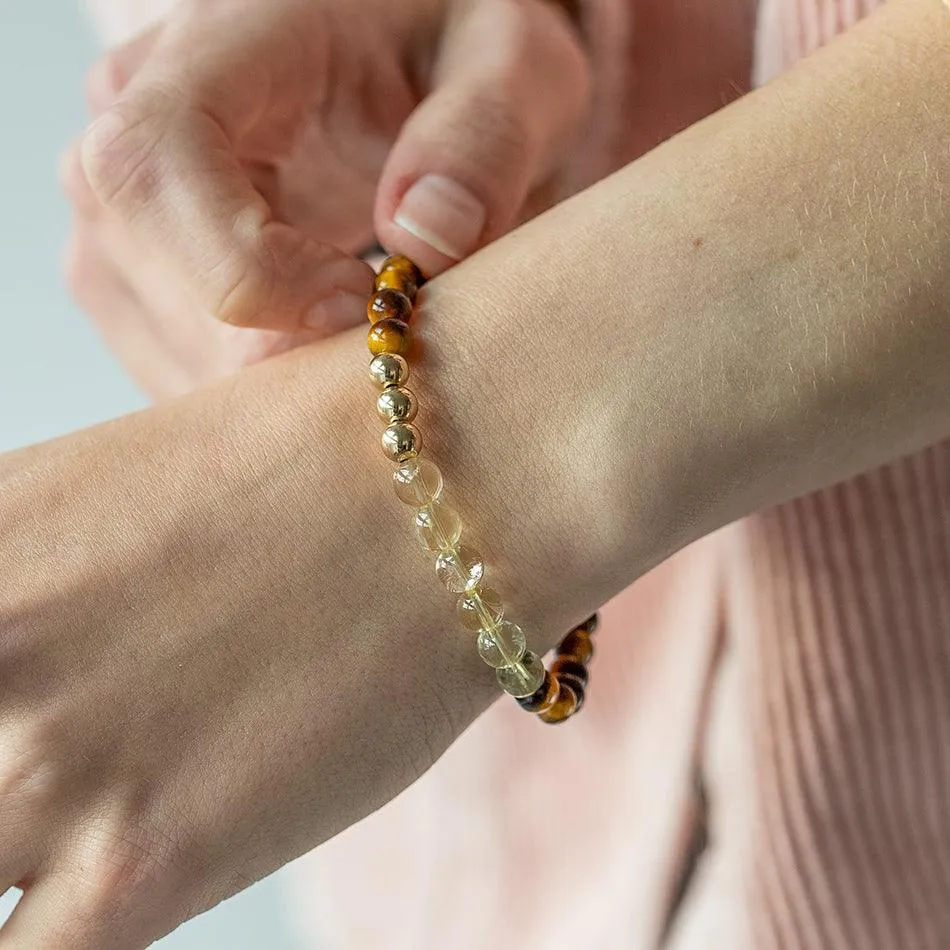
(121, 317)
(511, 85)
(162, 158)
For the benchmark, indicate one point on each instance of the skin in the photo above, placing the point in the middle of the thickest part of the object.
(220, 644)
(421, 92)
(242, 152)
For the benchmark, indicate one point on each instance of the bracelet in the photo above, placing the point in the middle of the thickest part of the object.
(554, 695)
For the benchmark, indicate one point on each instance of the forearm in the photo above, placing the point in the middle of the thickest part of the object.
(755, 309)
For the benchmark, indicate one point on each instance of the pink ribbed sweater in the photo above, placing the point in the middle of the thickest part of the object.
(764, 760)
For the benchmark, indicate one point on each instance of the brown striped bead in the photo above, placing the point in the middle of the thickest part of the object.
(545, 697)
(390, 336)
(565, 706)
(569, 671)
(590, 625)
(389, 305)
(578, 646)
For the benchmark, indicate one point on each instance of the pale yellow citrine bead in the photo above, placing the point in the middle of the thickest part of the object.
(522, 678)
(502, 645)
(480, 608)
(438, 526)
(459, 569)
(417, 482)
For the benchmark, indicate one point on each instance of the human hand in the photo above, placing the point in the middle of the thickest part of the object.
(244, 151)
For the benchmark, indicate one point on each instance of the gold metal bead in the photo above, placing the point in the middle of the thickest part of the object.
(388, 369)
(396, 404)
(401, 441)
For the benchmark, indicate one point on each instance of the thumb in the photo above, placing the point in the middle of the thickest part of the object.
(510, 84)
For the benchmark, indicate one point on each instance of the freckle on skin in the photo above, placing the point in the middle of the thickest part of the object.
(698, 242)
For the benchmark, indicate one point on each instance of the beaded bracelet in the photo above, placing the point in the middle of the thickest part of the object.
(553, 695)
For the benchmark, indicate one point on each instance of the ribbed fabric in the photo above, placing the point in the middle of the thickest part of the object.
(852, 741)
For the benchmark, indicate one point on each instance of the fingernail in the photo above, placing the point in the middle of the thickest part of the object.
(439, 211)
(339, 312)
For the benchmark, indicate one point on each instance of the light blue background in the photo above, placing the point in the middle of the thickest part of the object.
(55, 375)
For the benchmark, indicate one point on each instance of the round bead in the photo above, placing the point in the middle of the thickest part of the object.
(390, 279)
(590, 625)
(543, 698)
(459, 569)
(502, 645)
(388, 369)
(569, 671)
(401, 441)
(480, 609)
(566, 705)
(417, 482)
(390, 336)
(438, 526)
(578, 646)
(396, 404)
(399, 273)
(523, 678)
(388, 304)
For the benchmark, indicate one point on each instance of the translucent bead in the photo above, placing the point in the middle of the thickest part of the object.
(401, 441)
(417, 482)
(388, 369)
(480, 609)
(438, 526)
(502, 645)
(390, 336)
(523, 678)
(459, 569)
(389, 304)
(396, 404)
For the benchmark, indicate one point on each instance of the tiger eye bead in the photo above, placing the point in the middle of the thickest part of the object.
(578, 646)
(388, 369)
(523, 678)
(590, 625)
(399, 273)
(390, 336)
(388, 304)
(393, 279)
(401, 441)
(564, 706)
(396, 404)
(571, 672)
(544, 698)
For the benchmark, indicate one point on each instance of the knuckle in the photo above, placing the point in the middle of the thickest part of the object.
(34, 768)
(120, 156)
(125, 861)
